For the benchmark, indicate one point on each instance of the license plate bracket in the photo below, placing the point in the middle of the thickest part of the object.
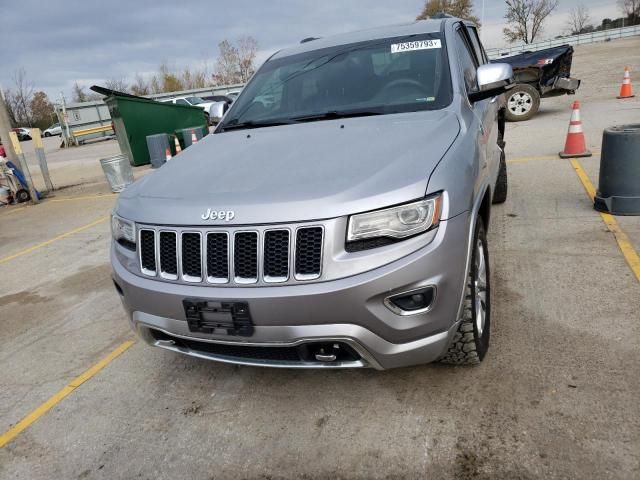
(214, 316)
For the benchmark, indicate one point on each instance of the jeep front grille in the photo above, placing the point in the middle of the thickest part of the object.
(241, 256)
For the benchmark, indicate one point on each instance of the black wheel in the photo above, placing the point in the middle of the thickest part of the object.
(22, 196)
(47, 134)
(471, 342)
(500, 193)
(523, 102)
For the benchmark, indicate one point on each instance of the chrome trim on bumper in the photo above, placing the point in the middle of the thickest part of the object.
(366, 360)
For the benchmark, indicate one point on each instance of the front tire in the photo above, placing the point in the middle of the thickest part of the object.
(470, 343)
(523, 102)
(47, 134)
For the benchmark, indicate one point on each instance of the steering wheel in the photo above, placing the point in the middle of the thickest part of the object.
(404, 81)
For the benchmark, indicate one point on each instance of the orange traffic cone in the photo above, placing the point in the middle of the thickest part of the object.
(177, 144)
(575, 145)
(194, 139)
(625, 88)
(167, 154)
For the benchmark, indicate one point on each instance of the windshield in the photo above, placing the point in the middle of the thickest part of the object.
(195, 100)
(392, 75)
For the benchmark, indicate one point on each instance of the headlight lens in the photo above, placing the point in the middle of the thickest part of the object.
(397, 222)
(122, 229)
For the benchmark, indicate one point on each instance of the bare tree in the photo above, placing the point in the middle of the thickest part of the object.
(235, 64)
(578, 19)
(247, 50)
(117, 84)
(169, 81)
(227, 64)
(457, 8)
(18, 98)
(78, 94)
(7, 96)
(630, 9)
(525, 19)
(140, 86)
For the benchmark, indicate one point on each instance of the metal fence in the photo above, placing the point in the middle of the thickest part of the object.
(583, 39)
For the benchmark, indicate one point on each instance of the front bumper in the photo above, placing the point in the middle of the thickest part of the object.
(349, 310)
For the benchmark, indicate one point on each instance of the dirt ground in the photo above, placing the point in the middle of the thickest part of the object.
(556, 398)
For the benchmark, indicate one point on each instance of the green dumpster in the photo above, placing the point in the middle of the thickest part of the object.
(134, 118)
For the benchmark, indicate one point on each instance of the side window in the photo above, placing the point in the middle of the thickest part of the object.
(181, 101)
(467, 62)
(475, 41)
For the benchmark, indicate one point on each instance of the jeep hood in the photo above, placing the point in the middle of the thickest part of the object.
(298, 172)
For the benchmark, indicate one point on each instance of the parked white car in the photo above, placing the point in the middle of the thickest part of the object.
(213, 110)
(54, 129)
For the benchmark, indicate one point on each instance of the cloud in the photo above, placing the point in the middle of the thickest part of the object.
(60, 42)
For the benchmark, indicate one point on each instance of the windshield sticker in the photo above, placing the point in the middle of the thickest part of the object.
(417, 45)
(426, 99)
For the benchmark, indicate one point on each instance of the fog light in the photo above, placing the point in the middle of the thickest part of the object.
(410, 303)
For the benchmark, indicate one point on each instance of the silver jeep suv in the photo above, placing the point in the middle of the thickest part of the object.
(337, 215)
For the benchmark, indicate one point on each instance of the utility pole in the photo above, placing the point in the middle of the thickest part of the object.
(65, 121)
(5, 128)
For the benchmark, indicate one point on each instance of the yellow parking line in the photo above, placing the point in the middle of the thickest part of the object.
(14, 210)
(55, 239)
(630, 255)
(61, 394)
(532, 159)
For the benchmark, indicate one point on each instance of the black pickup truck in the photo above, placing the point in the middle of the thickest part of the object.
(539, 74)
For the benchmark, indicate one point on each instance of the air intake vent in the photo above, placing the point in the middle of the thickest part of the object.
(169, 255)
(245, 257)
(308, 253)
(276, 255)
(218, 257)
(148, 252)
(192, 257)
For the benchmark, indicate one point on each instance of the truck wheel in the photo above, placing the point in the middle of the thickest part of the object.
(471, 342)
(500, 193)
(523, 102)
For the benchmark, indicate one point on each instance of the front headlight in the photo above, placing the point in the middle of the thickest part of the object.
(396, 222)
(123, 231)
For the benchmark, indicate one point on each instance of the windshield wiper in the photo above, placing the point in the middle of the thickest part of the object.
(335, 114)
(254, 124)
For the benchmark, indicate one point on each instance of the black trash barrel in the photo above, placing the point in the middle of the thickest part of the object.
(619, 184)
(187, 134)
(158, 145)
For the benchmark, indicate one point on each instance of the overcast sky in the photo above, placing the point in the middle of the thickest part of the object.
(59, 42)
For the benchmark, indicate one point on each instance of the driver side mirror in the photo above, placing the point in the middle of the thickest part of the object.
(493, 79)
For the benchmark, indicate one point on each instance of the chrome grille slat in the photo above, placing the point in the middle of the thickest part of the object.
(232, 256)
